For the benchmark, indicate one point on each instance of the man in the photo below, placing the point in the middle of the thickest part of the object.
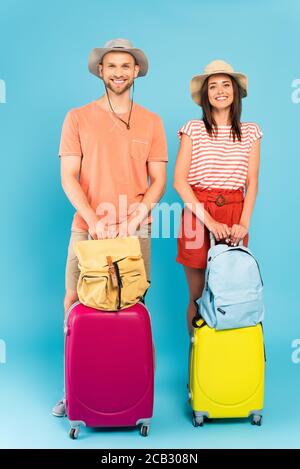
(109, 148)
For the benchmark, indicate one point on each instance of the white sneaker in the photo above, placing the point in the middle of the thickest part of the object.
(59, 410)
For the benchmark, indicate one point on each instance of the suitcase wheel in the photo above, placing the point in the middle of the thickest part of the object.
(74, 432)
(145, 430)
(256, 419)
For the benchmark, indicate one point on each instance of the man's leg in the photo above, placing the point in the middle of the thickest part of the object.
(144, 235)
(72, 275)
(71, 296)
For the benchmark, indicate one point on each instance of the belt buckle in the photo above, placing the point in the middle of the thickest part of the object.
(220, 200)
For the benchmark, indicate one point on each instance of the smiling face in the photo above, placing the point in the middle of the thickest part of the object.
(118, 71)
(220, 91)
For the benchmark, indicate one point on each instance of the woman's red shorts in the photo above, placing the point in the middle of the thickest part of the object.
(193, 242)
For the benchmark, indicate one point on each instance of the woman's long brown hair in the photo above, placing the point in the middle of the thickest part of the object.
(235, 111)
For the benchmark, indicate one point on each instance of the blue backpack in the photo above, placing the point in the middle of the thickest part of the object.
(233, 293)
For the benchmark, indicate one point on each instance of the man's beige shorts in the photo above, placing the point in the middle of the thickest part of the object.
(72, 270)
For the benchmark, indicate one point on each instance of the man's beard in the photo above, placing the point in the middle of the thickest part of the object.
(111, 87)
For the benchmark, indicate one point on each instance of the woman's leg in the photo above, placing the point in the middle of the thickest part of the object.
(195, 279)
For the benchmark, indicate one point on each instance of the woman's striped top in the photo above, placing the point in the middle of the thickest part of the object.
(219, 162)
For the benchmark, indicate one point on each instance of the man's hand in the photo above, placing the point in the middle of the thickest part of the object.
(128, 227)
(99, 229)
(92, 224)
(105, 231)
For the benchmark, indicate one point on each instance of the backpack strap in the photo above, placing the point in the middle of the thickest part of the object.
(120, 284)
(142, 300)
(197, 317)
(114, 272)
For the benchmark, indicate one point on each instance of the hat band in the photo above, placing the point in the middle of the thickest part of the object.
(220, 71)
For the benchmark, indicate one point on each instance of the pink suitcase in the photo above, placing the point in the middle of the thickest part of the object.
(109, 368)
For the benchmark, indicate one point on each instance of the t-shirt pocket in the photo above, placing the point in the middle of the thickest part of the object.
(138, 149)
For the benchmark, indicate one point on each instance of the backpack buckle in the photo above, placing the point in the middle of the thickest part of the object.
(220, 200)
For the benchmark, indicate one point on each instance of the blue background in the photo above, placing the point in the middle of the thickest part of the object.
(43, 61)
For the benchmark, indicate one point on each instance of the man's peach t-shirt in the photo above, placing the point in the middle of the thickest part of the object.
(113, 159)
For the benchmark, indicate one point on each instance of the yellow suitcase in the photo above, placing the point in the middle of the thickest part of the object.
(226, 375)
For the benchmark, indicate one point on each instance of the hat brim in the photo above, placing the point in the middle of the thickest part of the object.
(96, 56)
(198, 80)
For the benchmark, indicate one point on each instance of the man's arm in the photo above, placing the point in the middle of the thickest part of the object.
(70, 167)
(158, 175)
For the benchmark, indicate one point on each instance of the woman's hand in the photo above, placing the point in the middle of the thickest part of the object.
(238, 232)
(219, 230)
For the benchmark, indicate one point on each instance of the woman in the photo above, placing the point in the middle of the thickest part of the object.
(217, 162)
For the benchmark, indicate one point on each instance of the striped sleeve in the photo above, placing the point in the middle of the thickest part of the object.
(186, 129)
(255, 132)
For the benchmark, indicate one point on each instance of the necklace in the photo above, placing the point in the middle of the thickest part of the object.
(116, 115)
